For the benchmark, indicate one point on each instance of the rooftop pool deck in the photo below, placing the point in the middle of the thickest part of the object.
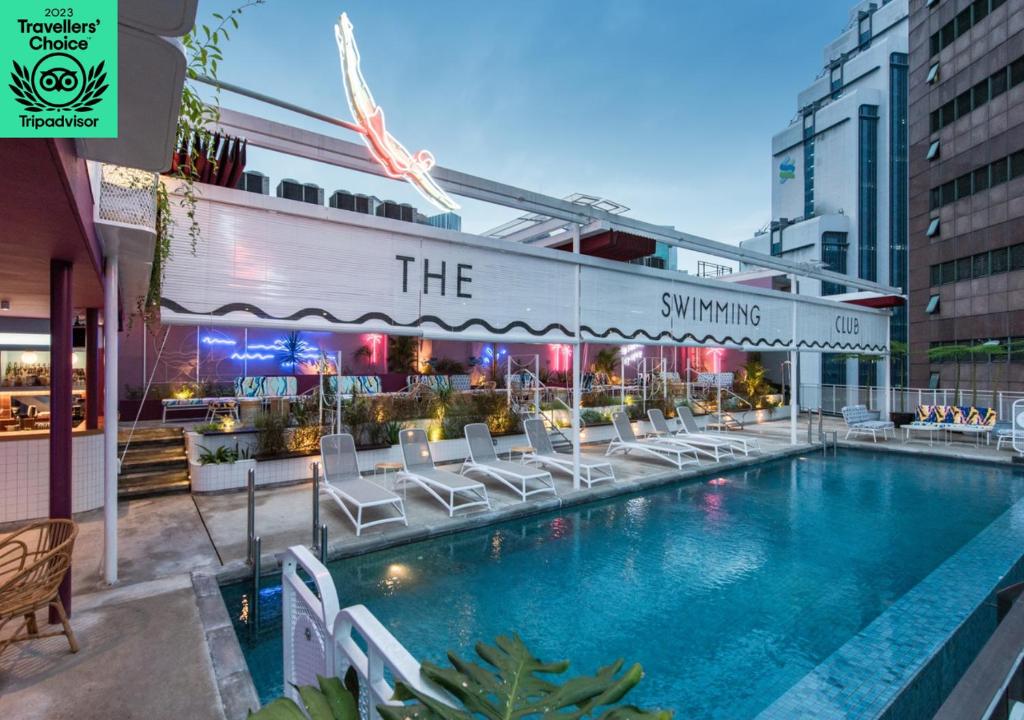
(799, 587)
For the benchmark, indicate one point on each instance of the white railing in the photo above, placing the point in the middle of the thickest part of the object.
(1017, 419)
(832, 398)
(321, 639)
(126, 195)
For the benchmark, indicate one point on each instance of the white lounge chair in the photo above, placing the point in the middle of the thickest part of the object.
(688, 425)
(521, 479)
(861, 421)
(627, 442)
(351, 491)
(716, 448)
(544, 454)
(454, 491)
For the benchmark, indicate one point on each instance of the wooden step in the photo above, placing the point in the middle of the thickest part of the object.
(151, 435)
(153, 458)
(145, 484)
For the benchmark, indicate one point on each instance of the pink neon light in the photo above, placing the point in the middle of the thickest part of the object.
(397, 162)
(373, 341)
(561, 357)
(715, 354)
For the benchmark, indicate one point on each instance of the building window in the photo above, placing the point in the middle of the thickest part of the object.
(833, 369)
(948, 272)
(833, 253)
(867, 193)
(864, 29)
(933, 74)
(836, 80)
(899, 157)
(933, 381)
(933, 228)
(809, 165)
(1000, 261)
(980, 265)
(963, 268)
(1017, 257)
(981, 179)
(933, 305)
(969, 100)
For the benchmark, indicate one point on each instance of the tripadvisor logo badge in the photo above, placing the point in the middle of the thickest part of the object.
(63, 67)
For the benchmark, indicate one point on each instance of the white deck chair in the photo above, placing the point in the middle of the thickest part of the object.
(688, 425)
(521, 479)
(351, 491)
(544, 454)
(716, 448)
(452, 490)
(626, 442)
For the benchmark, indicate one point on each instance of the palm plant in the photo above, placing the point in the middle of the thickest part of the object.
(402, 352)
(606, 361)
(291, 350)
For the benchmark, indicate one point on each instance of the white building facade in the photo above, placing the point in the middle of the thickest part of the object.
(839, 177)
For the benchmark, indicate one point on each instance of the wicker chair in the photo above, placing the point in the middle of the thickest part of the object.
(33, 563)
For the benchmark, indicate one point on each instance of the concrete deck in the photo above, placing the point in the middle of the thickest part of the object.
(172, 547)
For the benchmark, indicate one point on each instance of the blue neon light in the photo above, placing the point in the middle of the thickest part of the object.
(210, 340)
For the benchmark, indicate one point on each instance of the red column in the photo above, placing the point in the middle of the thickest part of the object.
(93, 372)
(60, 401)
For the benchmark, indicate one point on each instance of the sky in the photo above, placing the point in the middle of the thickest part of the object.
(666, 107)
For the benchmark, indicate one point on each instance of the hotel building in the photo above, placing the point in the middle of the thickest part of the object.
(967, 191)
(839, 171)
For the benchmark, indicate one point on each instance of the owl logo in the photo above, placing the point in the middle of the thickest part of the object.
(58, 82)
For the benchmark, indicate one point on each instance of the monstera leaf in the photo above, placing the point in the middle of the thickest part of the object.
(331, 701)
(515, 684)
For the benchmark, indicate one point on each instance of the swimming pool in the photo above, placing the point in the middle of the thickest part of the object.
(728, 590)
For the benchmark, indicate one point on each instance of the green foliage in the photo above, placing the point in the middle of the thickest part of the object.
(514, 684)
(207, 428)
(195, 116)
(445, 366)
(390, 432)
(606, 361)
(402, 354)
(271, 436)
(754, 383)
(593, 417)
(330, 701)
(220, 456)
(357, 415)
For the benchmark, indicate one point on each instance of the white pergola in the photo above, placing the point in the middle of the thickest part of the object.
(273, 262)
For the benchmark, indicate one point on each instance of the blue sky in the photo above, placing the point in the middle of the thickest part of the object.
(667, 107)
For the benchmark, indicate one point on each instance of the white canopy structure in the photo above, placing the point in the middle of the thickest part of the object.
(273, 262)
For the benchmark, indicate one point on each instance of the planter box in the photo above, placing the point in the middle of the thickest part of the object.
(224, 476)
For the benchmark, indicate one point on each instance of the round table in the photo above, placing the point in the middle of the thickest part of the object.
(523, 451)
(386, 467)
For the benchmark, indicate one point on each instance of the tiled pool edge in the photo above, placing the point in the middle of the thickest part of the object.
(230, 670)
(922, 644)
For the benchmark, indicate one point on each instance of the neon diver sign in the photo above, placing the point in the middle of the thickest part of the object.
(397, 162)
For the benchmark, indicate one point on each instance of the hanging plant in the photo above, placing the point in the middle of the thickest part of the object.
(196, 116)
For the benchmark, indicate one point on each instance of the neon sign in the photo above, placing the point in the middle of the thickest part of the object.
(373, 341)
(211, 340)
(397, 162)
(561, 356)
(631, 353)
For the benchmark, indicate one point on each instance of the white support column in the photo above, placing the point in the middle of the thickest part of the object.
(576, 381)
(887, 372)
(110, 385)
(337, 394)
(794, 373)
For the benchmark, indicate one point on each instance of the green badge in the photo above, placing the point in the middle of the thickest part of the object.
(60, 63)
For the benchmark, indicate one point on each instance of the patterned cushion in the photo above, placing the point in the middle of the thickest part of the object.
(926, 413)
(433, 382)
(262, 386)
(461, 383)
(363, 384)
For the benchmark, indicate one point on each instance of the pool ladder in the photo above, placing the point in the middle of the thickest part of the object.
(829, 439)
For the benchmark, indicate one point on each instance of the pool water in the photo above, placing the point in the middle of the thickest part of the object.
(727, 590)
